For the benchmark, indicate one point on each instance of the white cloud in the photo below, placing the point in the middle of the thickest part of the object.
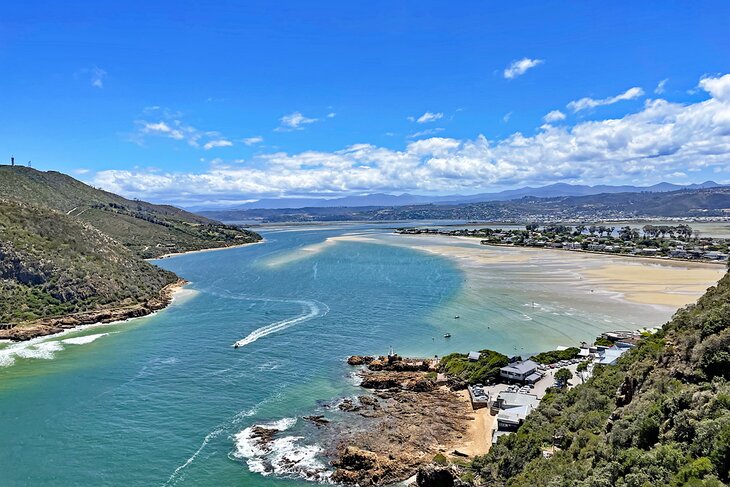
(217, 143)
(294, 121)
(506, 117)
(81, 171)
(554, 116)
(660, 139)
(162, 128)
(660, 86)
(718, 87)
(331, 115)
(586, 103)
(427, 117)
(422, 133)
(253, 140)
(520, 67)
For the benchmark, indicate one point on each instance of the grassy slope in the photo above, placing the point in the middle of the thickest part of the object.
(661, 417)
(52, 264)
(149, 230)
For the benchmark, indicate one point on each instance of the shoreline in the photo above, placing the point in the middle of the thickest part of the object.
(47, 327)
(639, 280)
(213, 249)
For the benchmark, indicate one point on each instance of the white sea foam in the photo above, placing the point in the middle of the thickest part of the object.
(284, 456)
(32, 349)
(83, 340)
(315, 310)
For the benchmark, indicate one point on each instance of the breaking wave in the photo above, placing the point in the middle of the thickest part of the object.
(284, 456)
(42, 348)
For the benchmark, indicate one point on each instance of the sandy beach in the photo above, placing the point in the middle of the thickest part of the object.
(478, 439)
(174, 254)
(640, 280)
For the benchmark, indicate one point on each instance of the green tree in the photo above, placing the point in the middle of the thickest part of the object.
(562, 377)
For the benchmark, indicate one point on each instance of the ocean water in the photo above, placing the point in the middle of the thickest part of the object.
(167, 400)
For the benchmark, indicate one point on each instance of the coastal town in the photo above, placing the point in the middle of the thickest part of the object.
(660, 241)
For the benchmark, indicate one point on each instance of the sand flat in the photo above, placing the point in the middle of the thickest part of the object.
(640, 280)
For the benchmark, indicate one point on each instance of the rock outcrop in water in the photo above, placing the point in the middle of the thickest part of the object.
(405, 423)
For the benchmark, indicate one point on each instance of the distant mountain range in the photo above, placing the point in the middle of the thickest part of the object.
(689, 203)
(384, 199)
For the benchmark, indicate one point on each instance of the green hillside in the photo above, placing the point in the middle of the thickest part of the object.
(661, 417)
(52, 264)
(149, 230)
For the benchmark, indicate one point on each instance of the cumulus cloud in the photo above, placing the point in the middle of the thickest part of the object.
(659, 140)
(554, 116)
(253, 140)
(217, 143)
(427, 117)
(586, 103)
(520, 67)
(168, 124)
(718, 87)
(294, 121)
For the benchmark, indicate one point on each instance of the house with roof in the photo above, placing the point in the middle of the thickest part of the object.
(474, 356)
(609, 356)
(524, 371)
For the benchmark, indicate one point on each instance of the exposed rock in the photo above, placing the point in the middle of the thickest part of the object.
(348, 405)
(380, 382)
(49, 326)
(263, 435)
(625, 392)
(359, 360)
(402, 426)
(432, 476)
(318, 420)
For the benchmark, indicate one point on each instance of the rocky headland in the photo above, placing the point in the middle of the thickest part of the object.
(394, 430)
(49, 326)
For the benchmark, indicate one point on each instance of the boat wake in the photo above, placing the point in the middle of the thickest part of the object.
(315, 308)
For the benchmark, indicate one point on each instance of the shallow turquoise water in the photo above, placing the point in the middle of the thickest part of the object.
(159, 400)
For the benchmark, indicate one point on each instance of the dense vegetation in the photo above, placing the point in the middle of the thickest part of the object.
(52, 264)
(149, 230)
(556, 355)
(660, 417)
(66, 247)
(482, 371)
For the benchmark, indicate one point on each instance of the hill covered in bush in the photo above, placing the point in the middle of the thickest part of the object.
(147, 229)
(660, 417)
(52, 264)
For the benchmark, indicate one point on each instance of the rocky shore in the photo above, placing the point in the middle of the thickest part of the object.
(49, 326)
(390, 433)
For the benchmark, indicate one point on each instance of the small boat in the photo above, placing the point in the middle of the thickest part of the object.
(447, 335)
(235, 345)
(457, 317)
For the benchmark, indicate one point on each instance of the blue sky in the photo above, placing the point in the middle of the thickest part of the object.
(190, 103)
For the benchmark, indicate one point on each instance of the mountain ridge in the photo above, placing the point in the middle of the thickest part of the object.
(386, 199)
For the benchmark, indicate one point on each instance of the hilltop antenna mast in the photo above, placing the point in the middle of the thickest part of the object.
(12, 160)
